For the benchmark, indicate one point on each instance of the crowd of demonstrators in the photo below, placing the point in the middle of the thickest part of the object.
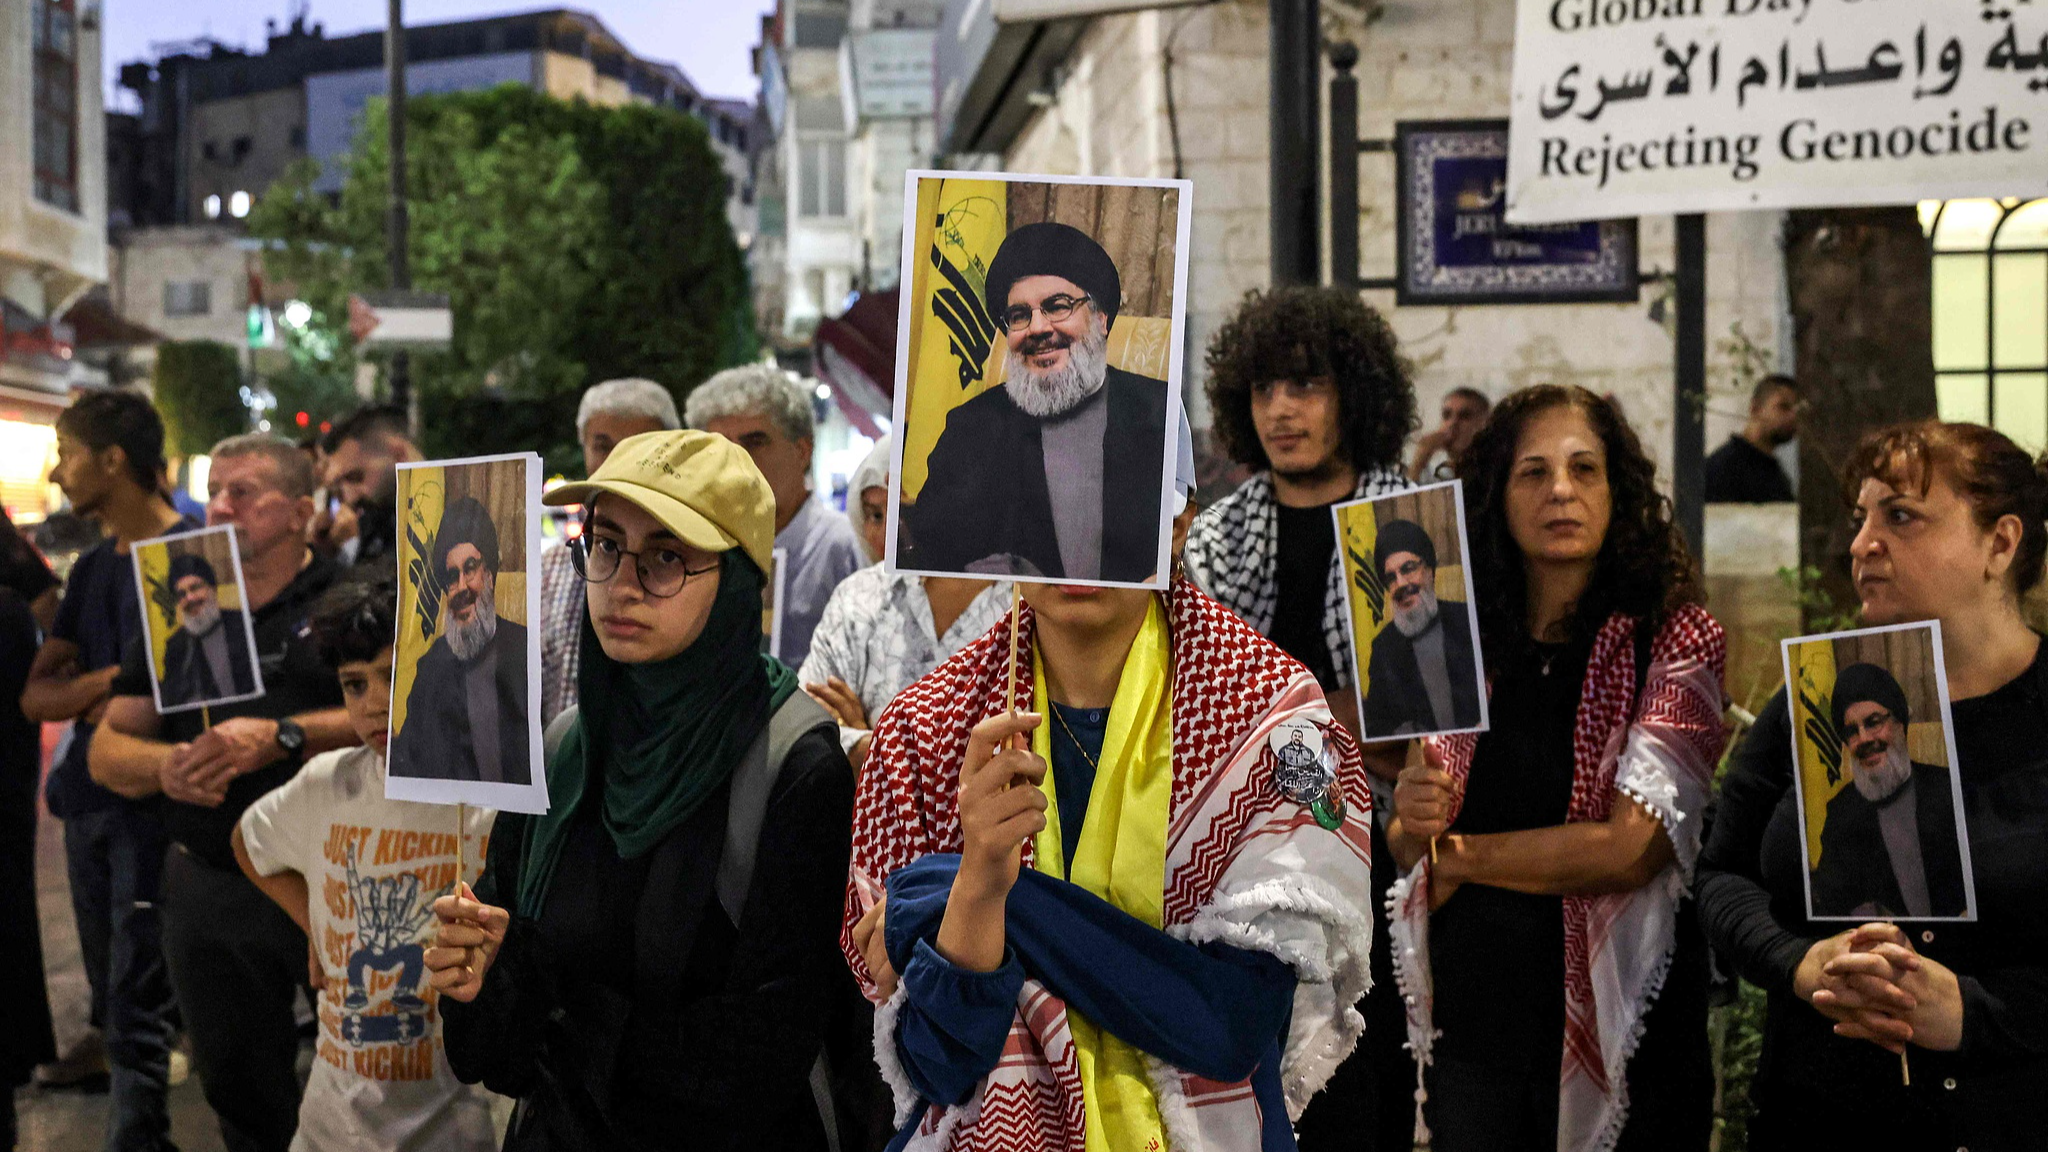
(1438, 451)
(362, 455)
(1949, 527)
(1572, 824)
(881, 630)
(653, 957)
(768, 412)
(608, 413)
(109, 464)
(235, 960)
(379, 1077)
(1745, 469)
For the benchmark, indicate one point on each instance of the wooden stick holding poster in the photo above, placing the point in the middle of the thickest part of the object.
(1877, 782)
(465, 686)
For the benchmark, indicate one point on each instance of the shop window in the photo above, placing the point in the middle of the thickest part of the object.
(1991, 313)
(53, 33)
(821, 177)
(187, 298)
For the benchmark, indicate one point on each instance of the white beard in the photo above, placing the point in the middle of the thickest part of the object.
(467, 640)
(1880, 784)
(1048, 394)
(1414, 620)
(200, 621)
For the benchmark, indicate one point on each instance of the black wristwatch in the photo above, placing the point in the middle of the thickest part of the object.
(291, 738)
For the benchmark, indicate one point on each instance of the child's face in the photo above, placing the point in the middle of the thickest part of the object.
(366, 689)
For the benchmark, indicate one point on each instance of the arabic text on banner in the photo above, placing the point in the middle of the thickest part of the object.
(1637, 107)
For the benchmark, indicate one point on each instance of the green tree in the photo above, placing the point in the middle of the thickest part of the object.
(198, 388)
(576, 243)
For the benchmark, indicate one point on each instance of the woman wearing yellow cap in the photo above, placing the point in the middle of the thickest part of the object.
(652, 961)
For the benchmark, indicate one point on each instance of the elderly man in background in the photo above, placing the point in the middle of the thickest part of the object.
(207, 658)
(767, 412)
(609, 413)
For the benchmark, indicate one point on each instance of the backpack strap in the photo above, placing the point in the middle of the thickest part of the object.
(752, 781)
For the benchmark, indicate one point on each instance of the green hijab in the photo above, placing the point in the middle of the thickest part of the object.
(659, 738)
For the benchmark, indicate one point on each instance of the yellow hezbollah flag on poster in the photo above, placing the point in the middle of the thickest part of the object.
(1820, 746)
(953, 339)
(422, 494)
(1358, 531)
(156, 578)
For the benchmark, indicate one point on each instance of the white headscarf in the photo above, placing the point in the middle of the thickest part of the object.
(872, 473)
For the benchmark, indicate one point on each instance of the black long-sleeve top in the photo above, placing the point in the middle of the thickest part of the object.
(632, 1013)
(1815, 1089)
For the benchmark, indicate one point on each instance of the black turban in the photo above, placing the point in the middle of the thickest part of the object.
(466, 522)
(191, 564)
(1049, 249)
(1401, 536)
(1860, 682)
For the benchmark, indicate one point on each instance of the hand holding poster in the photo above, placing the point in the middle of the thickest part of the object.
(201, 649)
(1414, 624)
(1629, 107)
(1880, 801)
(1039, 361)
(465, 692)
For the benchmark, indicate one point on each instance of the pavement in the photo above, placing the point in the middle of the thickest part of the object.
(66, 1120)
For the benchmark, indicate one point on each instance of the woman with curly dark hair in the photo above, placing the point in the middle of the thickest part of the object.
(1550, 854)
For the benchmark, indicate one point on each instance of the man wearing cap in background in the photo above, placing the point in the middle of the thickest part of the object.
(1421, 678)
(1889, 846)
(466, 714)
(207, 658)
(1050, 475)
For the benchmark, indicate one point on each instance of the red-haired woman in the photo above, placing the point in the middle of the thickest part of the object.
(1949, 527)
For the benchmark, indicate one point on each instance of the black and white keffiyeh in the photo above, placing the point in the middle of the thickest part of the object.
(1233, 554)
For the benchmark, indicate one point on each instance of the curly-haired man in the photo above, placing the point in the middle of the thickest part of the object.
(1307, 387)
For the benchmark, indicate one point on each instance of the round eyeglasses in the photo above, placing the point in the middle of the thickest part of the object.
(1017, 317)
(662, 571)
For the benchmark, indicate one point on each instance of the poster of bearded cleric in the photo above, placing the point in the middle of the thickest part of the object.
(465, 689)
(1038, 377)
(1880, 801)
(1414, 624)
(202, 651)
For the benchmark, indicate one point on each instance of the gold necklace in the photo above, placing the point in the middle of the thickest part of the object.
(1078, 746)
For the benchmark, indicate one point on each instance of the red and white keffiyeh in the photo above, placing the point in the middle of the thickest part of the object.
(1244, 865)
(1618, 947)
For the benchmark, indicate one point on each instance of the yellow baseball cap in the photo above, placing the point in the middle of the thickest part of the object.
(700, 485)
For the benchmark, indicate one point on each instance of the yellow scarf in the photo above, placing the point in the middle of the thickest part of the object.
(1121, 858)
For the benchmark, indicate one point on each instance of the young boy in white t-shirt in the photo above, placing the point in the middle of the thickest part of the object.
(360, 873)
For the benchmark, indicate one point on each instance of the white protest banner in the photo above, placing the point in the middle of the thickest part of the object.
(1636, 107)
